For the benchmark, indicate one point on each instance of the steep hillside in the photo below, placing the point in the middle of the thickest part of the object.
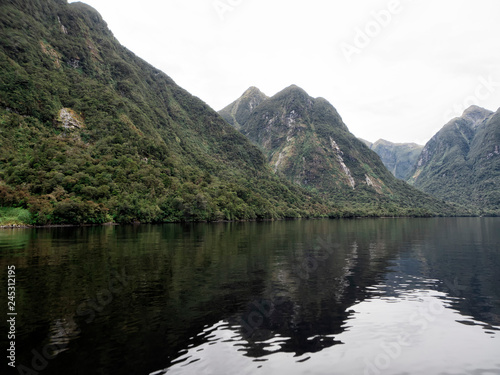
(399, 158)
(305, 140)
(91, 133)
(461, 163)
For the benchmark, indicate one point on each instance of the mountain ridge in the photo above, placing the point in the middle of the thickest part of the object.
(305, 140)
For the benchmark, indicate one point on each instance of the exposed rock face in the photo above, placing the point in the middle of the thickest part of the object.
(70, 120)
(50, 51)
(64, 30)
(344, 167)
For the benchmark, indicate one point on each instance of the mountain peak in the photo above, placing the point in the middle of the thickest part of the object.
(382, 141)
(293, 95)
(238, 111)
(253, 93)
(476, 114)
(293, 89)
(474, 108)
(252, 90)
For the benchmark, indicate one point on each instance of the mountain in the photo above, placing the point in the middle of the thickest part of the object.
(237, 113)
(461, 163)
(90, 133)
(399, 158)
(305, 140)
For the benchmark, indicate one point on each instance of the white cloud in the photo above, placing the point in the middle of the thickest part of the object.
(421, 63)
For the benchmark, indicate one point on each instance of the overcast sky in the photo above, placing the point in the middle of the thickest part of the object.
(397, 70)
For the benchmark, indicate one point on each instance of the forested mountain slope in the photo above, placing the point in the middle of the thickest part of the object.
(461, 163)
(90, 133)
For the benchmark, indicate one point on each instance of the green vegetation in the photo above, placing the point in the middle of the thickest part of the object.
(461, 163)
(306, 142)
(90, 133)
(14, 216)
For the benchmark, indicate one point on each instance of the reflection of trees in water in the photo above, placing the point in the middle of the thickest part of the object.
(299, 279)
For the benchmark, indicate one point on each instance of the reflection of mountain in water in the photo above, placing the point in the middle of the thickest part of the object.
(316, 272)
(464, 256)
(311, 286)
(282, 286)
(307, 299)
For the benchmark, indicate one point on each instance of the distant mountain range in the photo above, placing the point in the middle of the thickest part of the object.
(460, 164)
(305, 140)
(399, 158)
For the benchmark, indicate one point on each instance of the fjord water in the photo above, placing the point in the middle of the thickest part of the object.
(367, 296)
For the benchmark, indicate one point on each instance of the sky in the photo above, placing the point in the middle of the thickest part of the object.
(393, 69)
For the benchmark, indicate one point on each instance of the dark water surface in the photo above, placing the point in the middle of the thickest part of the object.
(381, 296)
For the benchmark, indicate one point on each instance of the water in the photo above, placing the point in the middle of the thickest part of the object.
(382, 296)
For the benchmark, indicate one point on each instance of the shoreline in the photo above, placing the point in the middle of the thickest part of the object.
(28, 226)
